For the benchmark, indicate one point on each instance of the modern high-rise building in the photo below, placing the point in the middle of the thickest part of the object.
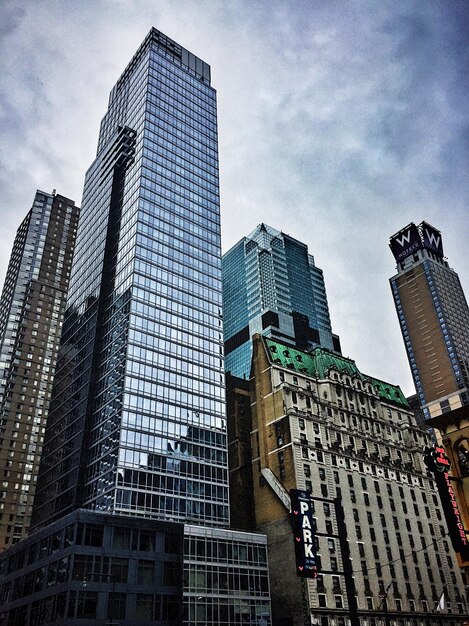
(313, 423)
(137, 419)
(271, 285)
(31, 313)
(434, 319)
(134, 474)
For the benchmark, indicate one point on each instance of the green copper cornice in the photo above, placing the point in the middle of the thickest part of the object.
(320, 361)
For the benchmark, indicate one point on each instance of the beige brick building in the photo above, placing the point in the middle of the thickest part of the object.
(317, 423)
(31, 314)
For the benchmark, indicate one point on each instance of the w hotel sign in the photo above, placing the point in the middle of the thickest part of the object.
(431, 239)
(412, 238)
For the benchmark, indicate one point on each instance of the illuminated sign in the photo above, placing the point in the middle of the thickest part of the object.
(432, 239)
(405, 242)
(438, 462)
(303, 533)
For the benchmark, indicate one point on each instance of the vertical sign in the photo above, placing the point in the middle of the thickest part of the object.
(303, 533)
(439, 464)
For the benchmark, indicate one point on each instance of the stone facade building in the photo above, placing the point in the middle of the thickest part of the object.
(317, 423)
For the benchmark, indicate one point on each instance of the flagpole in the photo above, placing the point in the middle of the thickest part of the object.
(384, 601)
(441, 604)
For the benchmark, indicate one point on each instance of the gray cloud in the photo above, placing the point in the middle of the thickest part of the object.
(339, 123)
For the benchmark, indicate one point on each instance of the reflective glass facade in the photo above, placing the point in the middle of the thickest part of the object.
(226, 579)
(94, 568)
(31, 314)
(137, 417)
(271, 285)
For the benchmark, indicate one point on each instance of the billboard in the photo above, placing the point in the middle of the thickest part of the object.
(432, 239)
(303, 533)
(438, 462)
(405, 242)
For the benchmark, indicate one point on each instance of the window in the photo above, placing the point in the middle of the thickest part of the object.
(116, 606)
(171, 573)
(82, 567)
(146, 573)
(90, 535)
(144, 606)
(142, 541)
(172, 543)
(83, 604)
(118, 570)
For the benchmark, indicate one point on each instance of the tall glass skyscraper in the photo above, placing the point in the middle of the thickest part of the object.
(271, 285)
(132, 496)
(31, 313)
(137, 416)
(434, 319)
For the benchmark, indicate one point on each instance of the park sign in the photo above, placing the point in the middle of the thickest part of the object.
(303, 526)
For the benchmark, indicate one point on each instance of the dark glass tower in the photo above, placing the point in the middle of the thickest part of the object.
(271, 285)
(31, 314)
(137, 421)
(137, 415)
(434, 319)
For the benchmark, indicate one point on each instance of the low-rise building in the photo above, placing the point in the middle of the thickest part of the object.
(102, 569)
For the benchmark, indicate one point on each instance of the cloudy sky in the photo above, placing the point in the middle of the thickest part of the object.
(340, 122)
